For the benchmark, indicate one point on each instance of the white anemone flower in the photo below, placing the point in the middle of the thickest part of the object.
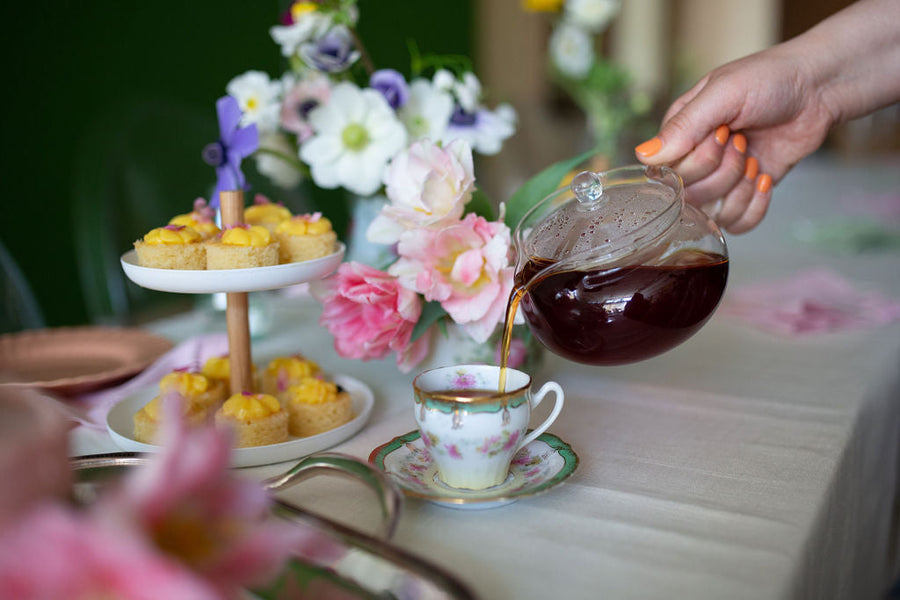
(427, 111)
(356, 134)
(306, 27)
(280, 171)
(593, 15)
(466, 91)
(259, 98)
(572, 50)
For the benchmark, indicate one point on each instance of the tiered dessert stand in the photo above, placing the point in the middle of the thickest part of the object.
(236, 284)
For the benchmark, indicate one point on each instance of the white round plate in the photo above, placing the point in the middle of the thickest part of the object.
(230, 280)
(539, 466)
(120, 424)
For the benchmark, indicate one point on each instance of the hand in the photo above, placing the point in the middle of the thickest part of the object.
(736, 133)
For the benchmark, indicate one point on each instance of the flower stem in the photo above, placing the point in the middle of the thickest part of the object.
(363, 53)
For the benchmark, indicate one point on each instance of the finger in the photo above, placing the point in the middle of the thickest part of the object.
(686, 97)
(720, 181)
(735, 202)
(705, 159)
(696, 120)
(756, 209)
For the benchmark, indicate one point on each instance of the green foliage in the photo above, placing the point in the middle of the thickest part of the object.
(539, 187)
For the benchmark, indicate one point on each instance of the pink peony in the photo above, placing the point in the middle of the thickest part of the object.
(370, 315)
(465, 267)
(428, 186)
(55, 553)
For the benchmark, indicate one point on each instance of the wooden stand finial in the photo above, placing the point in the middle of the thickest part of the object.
(232, 204)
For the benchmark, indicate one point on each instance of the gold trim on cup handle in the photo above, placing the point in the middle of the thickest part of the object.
(550, 386)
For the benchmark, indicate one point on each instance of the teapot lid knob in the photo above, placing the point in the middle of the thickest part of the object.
(588, 188)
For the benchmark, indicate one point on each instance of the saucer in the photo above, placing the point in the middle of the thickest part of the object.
(539, 466)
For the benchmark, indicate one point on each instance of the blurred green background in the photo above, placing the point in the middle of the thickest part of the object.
(108, 105)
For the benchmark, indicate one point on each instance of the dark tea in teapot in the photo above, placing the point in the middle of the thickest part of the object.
(625, 314)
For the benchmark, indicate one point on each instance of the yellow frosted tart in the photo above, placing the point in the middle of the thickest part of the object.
(241, 247)
(201, 220)
(316, 406)
(305, 237)
(171, 247)
(265, 213)
(284, 371)
(199, 398)
(255, 419)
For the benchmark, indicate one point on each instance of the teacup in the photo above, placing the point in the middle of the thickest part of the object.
(472, 429)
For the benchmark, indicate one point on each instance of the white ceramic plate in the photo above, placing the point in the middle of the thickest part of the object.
(120, 424)
(230, 280)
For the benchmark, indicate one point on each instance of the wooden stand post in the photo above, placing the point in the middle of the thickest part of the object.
(232, 203)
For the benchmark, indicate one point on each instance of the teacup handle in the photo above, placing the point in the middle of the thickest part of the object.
(550, 386)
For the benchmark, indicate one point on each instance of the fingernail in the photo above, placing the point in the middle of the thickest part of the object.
(740, 142)
(650, 147)
(764, 183)
(722, 134)
(751, 168)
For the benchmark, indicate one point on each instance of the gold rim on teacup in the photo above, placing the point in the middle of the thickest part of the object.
(450, 396)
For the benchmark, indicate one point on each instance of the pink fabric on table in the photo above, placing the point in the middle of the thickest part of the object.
(191, 353)
(813, 301)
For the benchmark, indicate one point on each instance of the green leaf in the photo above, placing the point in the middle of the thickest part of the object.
(431, 312)
(539, 187)
(480, 205)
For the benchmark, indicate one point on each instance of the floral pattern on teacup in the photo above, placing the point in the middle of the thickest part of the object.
(495, 444)
(463, 381)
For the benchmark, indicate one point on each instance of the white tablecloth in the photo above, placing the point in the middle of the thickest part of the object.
(739, 465)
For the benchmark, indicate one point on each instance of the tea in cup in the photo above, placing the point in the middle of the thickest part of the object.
(470, 427)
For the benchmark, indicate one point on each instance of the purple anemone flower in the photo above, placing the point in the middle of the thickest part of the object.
(331, 53)
(391, 85)
(234, 144)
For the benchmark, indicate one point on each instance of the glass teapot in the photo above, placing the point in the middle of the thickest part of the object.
(616, 267)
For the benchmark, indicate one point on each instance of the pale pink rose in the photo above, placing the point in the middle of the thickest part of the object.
(189, 503)
(428, 186)
(55, 553)
(299, 101)
(466, 267)
(370, 315)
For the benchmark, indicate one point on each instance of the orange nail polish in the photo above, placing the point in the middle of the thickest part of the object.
(722, 134)
(751, 168)
(764, 183)
(740, 142)
(650, 147)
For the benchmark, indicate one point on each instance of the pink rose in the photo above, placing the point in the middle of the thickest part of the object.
(428, 186)
(465, 266)
(370, 315)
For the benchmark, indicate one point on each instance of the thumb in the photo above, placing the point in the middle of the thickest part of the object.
(692, 118)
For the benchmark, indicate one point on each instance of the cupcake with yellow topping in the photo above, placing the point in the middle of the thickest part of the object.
(284, 371)
(265, 213)
(201, 219)
(255, 419)
(305, 237)
(241, 247)
(171, 247)
(199, 398)
(316, 406)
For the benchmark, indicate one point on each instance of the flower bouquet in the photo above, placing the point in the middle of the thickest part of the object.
(443, 259)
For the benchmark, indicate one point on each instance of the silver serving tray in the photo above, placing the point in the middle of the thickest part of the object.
(371, 566)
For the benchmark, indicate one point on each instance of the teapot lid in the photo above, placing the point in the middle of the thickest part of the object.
(602, 215)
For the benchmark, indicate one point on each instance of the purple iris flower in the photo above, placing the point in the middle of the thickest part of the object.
(392, 86)
(331, 53)
(234, 144)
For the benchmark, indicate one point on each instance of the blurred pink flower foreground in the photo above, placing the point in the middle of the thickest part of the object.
(182, 526)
